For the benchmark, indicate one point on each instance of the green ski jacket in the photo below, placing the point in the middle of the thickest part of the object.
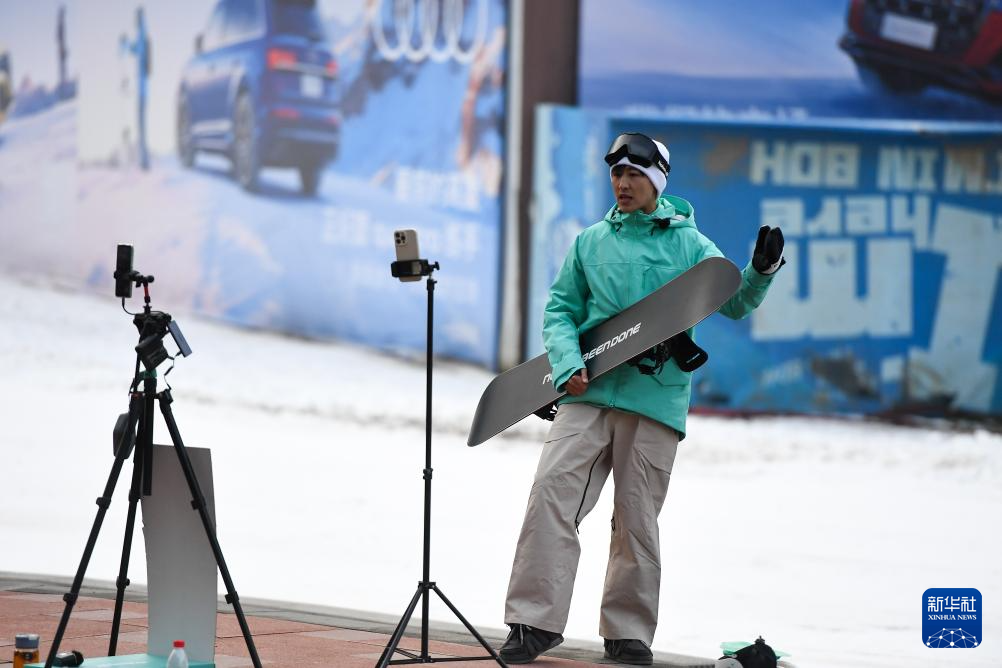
(614, 264)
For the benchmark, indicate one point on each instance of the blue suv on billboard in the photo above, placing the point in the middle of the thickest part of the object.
(260, 90)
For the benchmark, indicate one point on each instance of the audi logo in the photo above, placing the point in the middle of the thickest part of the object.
(422, 29)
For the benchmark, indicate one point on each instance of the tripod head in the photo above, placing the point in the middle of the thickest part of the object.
(153, 325)
(412, 269)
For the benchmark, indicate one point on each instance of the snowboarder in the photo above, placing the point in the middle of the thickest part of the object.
(141, 50)
(626, 422)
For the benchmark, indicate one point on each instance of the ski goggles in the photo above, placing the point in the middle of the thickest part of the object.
(640, 149)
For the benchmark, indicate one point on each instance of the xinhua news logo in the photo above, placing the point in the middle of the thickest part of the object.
(951, 618)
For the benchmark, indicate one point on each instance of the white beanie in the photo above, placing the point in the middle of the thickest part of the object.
(655, 175)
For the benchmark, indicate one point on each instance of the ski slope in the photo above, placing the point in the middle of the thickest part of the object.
(819, 534)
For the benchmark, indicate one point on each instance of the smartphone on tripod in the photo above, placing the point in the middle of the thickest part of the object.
(407, 250)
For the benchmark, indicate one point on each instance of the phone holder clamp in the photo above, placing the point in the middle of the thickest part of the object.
(406, 268)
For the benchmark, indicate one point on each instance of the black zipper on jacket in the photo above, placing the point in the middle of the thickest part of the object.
(577, 515)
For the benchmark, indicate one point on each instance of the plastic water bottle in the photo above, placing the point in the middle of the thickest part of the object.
(177, 658)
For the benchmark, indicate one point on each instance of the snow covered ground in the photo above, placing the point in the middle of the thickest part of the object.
(821, 535)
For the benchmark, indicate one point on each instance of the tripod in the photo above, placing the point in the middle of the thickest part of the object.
(141, 413)
(425, 586)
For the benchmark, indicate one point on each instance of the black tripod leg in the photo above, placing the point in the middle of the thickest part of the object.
(469, 627)
(135, 408)
(198, 503)
(135, 493)
(398, 633)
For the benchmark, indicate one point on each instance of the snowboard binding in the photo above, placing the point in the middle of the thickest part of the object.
(688, 356)
(547, 412)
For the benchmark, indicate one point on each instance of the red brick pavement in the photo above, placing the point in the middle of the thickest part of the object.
(280, 643)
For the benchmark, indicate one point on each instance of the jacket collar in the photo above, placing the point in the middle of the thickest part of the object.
(661, 217)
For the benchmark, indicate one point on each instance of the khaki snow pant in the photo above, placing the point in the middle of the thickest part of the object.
(585, 443)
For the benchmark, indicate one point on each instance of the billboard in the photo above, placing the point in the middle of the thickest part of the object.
(259, 155)
(891, 298)
(782, 60)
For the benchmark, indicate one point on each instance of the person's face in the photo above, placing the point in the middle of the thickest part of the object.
(633, 190)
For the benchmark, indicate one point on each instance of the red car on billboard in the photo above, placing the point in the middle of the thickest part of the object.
(906, 45)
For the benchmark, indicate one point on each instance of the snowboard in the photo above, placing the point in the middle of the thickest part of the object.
(674, 307)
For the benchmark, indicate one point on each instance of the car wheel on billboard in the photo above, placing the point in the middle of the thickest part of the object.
(185, 144)
(246, 163)
(309, 178)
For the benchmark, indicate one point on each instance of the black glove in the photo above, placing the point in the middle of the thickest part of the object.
(768, 255)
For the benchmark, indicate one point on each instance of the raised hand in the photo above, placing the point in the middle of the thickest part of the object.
(768, 255)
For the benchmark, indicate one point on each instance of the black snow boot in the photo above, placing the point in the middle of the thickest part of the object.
(633, 652)
(525, 643)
